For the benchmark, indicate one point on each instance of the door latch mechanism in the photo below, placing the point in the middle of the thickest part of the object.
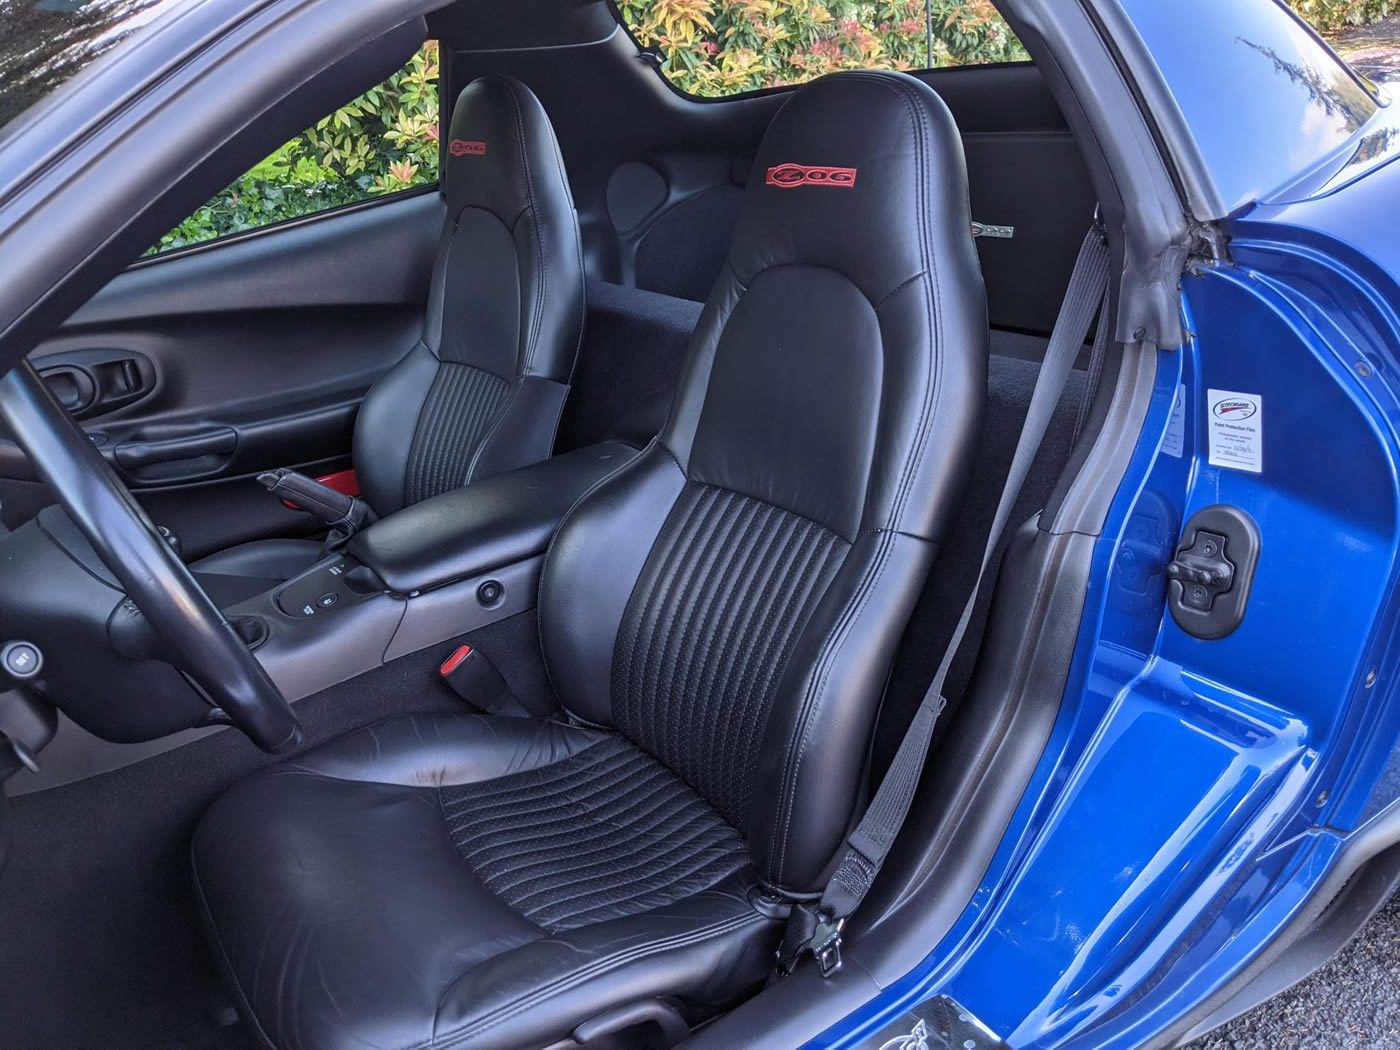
(1208, 581)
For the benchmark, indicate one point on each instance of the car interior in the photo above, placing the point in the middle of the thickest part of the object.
(660, 443)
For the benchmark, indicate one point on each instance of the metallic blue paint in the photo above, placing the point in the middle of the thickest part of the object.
(1266, 100)
(1194, 794)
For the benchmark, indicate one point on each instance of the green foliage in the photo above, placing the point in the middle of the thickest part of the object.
(721, 47)
(1330, 16)
(384, 141)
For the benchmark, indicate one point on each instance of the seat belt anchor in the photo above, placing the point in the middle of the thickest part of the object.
(826, 945)
(824, 942)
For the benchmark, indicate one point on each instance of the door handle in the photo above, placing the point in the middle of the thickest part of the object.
(178, 458)
(90, 382)
(73, 386)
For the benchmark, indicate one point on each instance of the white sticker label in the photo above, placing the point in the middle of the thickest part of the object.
(1174, 441)
(1236, 425)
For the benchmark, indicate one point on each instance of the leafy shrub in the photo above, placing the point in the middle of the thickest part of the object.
(385, 140)
(720, 47)
(1329, 16)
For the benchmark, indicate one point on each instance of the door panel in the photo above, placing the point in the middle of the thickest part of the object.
(194, 373)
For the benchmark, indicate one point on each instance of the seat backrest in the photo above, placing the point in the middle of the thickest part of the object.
(731, 599)
(482, 392)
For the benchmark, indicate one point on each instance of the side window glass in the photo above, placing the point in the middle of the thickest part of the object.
(727, 47)
(383, 142)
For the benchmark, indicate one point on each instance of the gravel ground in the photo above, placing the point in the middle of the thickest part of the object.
(1352, 1003)
(1373, 50)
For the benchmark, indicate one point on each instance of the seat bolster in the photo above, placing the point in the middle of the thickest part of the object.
(386, 424)
(341, 910)
(709, 950)
(814, 751)
(593, 564)
(436, 750)
(523, 433)
(550, 251)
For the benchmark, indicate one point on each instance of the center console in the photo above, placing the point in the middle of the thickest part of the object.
(430, 572)
(444, 567)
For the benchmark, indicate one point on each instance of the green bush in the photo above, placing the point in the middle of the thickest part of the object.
(721, 47)
(1329, 16)
(385, 140)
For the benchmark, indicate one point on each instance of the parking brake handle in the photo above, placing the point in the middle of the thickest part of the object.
(344, 514)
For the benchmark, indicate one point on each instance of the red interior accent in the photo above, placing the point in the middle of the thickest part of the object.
(789, 175)
(342, 481)
(454, 661)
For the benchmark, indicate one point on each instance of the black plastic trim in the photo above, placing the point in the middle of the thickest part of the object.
(184, 251)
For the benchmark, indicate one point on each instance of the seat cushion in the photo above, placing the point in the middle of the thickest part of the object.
(239, 573)
(470, 881)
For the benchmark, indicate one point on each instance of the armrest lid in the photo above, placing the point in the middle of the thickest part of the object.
(485, 525)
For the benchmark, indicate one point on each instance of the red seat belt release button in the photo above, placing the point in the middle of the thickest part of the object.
(455, 661)
(474, 678)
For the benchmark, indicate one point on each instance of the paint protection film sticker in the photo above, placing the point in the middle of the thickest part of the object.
(1236, 426)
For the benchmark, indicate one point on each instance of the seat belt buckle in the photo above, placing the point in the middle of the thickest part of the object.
(470, 674)
(473, 677)
(826, 945)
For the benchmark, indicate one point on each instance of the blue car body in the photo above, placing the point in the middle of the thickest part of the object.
(1195, 795)
(1198, 803)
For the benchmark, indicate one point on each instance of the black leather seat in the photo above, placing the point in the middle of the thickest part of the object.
(482, 392)
(718, 617)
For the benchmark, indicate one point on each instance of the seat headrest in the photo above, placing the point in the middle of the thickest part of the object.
(501, 150)
(861, 172)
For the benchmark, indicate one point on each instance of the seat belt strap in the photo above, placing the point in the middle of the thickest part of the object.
(817, 927)
(1096, 362)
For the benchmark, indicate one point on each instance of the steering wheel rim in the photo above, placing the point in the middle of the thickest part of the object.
(124, 537)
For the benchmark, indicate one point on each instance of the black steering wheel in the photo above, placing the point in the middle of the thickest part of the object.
(210, 651)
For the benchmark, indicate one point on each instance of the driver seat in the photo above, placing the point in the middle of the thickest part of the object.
(718, 618)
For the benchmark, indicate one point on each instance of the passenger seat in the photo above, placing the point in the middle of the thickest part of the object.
(482, 391)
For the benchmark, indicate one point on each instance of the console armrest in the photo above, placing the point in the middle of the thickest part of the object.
(490, 523)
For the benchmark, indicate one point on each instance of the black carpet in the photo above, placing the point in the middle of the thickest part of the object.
(100, 944)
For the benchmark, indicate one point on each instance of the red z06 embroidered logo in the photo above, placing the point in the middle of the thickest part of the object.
(789, 175)
(463, 148)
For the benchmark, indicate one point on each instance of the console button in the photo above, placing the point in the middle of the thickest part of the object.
(327, 600)
(22, 659)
